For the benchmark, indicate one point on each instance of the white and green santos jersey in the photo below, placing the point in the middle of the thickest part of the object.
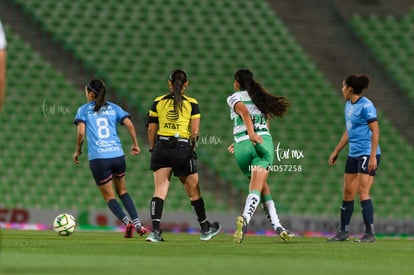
(259, 120)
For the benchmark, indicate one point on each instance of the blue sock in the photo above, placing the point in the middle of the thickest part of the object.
(130, 208)
(117, 211)
(347, 209)
(368, 215)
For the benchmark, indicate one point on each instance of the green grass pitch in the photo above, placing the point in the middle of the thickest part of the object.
(86, 252)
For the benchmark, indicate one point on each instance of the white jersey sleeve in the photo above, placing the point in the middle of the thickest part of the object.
(3, 42)
(233, 99)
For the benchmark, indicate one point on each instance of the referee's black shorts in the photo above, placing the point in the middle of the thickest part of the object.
(178, 156)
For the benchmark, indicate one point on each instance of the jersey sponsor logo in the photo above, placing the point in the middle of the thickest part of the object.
(172, 115)
(107, 146)
(108, 149)
(171, 126)
(107, 112)
(103, 143)
(102, 112)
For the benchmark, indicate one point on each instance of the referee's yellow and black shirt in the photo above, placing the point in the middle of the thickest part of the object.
(171, 123)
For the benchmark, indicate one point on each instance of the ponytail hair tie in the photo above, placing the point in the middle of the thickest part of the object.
(92, 89)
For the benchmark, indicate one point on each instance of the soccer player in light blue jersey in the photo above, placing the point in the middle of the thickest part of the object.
(362, 136)
(98, 119)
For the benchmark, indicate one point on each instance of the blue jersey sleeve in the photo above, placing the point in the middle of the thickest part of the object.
(369, 112)
(80, 116)
(121, 114)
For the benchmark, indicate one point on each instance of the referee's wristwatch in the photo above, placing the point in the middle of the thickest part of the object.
(150, 150)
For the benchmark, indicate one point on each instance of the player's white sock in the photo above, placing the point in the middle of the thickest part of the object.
(252, 201)
(126, 220)
(137, 223)
(270, 210)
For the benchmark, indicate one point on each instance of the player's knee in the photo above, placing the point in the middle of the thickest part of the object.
(349, 194)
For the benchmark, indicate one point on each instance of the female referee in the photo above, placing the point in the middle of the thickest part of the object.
(98, 118)
(362, 136)
(173, 129)
(251, 109)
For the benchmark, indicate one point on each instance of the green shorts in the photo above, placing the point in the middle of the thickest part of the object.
(248, 155)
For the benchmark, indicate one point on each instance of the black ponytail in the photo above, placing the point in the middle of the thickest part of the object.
(268, 104)
(98, 88)
(178, 78)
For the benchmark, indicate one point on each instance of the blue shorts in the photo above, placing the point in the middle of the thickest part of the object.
(359, 164)
(103, 170)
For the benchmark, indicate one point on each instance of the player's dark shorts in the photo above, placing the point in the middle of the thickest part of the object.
(103, 170)
(175, 154)
(359, 164)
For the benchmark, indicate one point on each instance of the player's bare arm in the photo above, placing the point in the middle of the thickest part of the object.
(342, 143)
(195, 131)
(372, 165)
(152, 134)
(80, 137)
(135, 150)
(243, 112)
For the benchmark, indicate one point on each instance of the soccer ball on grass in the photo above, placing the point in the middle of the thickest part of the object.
(64, 224)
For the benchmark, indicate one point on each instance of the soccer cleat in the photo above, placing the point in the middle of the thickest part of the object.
(129, 231)
(284, 234)
(141, 230)
(213, 230)
(154, 237)
(241, 229)
(366, 238)
(339, 237)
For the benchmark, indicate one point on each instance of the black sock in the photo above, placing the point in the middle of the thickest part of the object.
(368, 215)
(347, 209)
(156, 207)
(199, 209)
(117, 211)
